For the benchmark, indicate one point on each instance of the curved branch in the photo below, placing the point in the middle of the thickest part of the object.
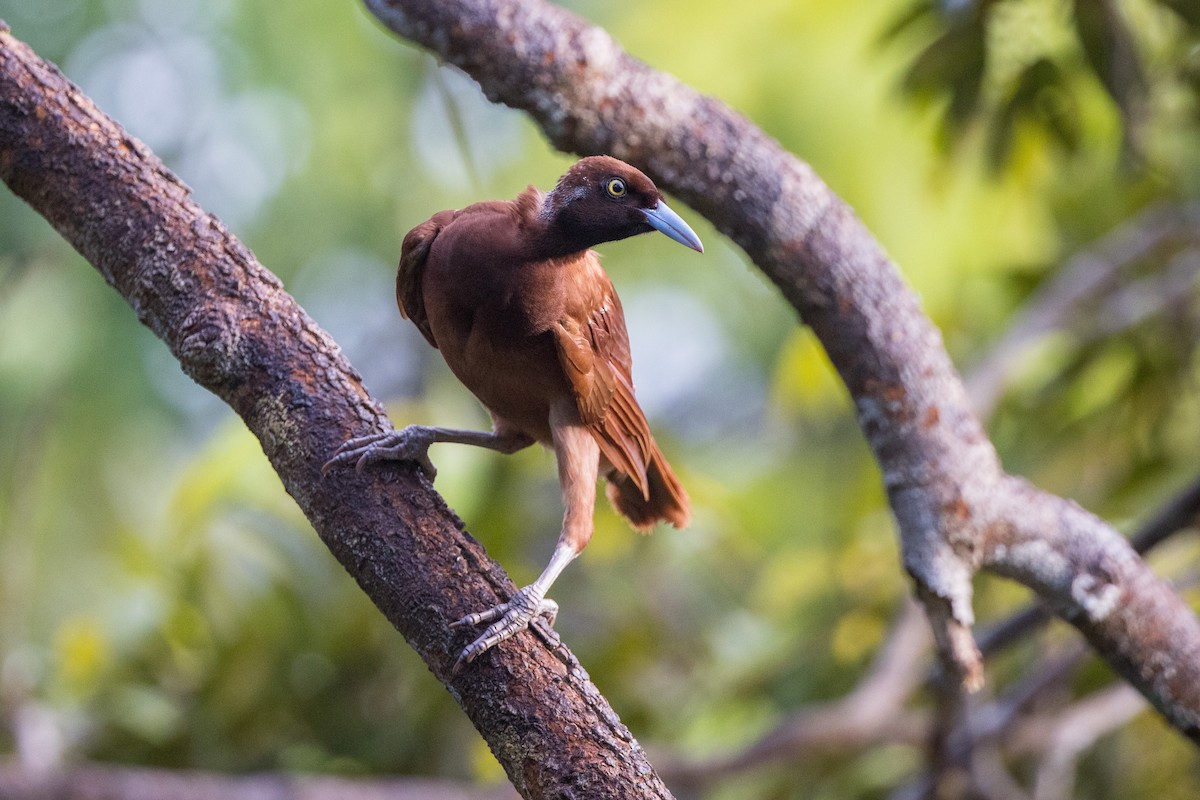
(240, 335)
(1179, 513)
(956, 509)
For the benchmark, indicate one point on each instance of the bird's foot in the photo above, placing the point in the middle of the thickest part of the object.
(407, 444)
(508, 619)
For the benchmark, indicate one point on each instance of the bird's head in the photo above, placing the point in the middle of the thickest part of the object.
(602, 199)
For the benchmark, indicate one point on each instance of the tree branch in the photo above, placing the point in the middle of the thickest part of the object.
(1180, 512)
(104, 782)
(956, 509)
(238, 334)
(1083, 280)
(1077, 730)
(872, 713)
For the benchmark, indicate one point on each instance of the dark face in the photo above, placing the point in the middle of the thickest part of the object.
(602, 199)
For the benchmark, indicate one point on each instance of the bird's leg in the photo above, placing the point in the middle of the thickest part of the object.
(412, 444)
(578, 466)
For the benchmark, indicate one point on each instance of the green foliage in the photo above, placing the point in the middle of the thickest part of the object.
(1026, 67)
(164, 600)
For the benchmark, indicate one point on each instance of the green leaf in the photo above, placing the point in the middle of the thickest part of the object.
(1188, 11)
(916, 13)
(1040, 94)
(1112, 53)
(953, 63)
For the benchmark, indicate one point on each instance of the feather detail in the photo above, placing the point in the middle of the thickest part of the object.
(593, 349)
(414, 252)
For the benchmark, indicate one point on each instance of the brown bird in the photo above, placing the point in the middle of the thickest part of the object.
(527, 319)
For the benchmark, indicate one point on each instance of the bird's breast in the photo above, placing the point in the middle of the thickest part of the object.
(496, 339)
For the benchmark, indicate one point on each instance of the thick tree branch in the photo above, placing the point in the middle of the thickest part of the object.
(956, 509)
(1179, 513)
(237, 333)
(900, 668)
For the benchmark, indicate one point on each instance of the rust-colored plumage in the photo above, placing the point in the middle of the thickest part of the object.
(527, 319)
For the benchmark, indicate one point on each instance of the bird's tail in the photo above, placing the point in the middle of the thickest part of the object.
(667, 500)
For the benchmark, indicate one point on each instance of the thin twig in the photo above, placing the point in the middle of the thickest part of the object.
(95, 781)
(1068, 734)
(873, 712)
(1082, 280)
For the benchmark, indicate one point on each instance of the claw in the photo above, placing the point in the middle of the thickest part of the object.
(507, 620)
(408, 444)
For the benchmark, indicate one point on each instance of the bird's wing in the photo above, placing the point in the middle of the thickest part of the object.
(410, 295)
(593, 349)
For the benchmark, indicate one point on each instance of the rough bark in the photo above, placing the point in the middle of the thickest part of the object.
(240, 335)
(956, 509)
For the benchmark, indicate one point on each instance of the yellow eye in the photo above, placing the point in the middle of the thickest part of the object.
(615, 188)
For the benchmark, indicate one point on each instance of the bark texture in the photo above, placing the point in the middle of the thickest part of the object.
(240, 335)
(956, 509)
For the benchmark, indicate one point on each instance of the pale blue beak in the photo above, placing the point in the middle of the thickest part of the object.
(663, 219)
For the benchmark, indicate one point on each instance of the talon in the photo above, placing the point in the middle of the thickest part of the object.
(428, 467)
(508, 619)
(480, 617)
(408, 444)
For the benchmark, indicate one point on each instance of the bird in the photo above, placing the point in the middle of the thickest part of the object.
(517, 303)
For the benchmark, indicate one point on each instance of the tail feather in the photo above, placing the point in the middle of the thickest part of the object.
(665, 499)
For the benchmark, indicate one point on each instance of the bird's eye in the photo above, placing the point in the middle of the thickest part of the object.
(615, 188)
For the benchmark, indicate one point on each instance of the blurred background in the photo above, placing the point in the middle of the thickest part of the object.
(163, 602)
